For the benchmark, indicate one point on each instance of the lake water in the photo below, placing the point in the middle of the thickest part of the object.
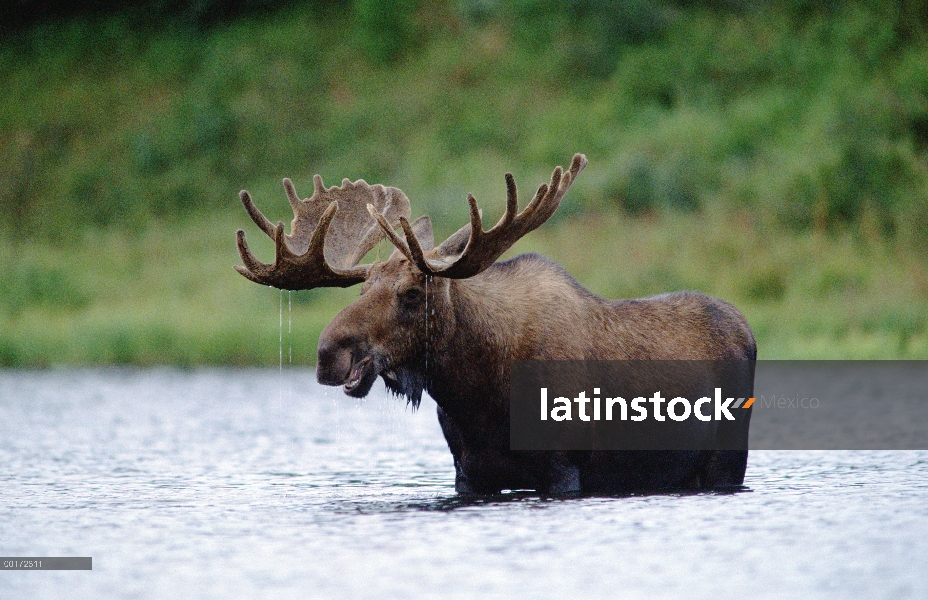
(256, 483)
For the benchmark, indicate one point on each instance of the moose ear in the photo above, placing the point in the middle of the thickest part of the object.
(454, 245)
(422, 227)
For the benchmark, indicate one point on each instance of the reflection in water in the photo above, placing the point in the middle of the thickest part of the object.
(214, 484)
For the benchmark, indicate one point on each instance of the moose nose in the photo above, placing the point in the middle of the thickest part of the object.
(334, 363)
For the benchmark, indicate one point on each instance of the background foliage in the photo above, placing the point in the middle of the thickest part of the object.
(772, 153)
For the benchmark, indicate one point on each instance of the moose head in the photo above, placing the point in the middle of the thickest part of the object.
(406, 306)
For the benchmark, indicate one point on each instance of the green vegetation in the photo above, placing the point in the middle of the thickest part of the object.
(772, 154)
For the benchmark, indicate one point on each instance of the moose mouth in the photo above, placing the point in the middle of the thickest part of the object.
(361, 378)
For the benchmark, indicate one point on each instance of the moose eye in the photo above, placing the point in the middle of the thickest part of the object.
(412, 295)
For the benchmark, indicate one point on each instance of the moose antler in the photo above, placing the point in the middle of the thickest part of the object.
(330, 233)
(484, 247)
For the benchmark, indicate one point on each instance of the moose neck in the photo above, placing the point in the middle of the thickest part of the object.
(506, 313)
(465, 357)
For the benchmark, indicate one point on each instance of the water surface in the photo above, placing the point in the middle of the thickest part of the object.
(254, 483)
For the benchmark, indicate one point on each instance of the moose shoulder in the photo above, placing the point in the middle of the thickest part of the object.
(450, 320)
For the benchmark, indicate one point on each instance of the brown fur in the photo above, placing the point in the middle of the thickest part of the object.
(461, 346)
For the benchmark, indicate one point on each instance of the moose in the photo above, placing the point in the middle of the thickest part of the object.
(450, 319)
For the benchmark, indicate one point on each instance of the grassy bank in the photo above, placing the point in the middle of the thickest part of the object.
(173, 298)
(772, 154)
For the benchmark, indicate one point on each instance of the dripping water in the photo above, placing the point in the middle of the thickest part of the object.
(289, 328)
(290, 343)
(280, 348)
(427, 333)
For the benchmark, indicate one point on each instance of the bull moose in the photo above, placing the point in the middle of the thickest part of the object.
(449, 320)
